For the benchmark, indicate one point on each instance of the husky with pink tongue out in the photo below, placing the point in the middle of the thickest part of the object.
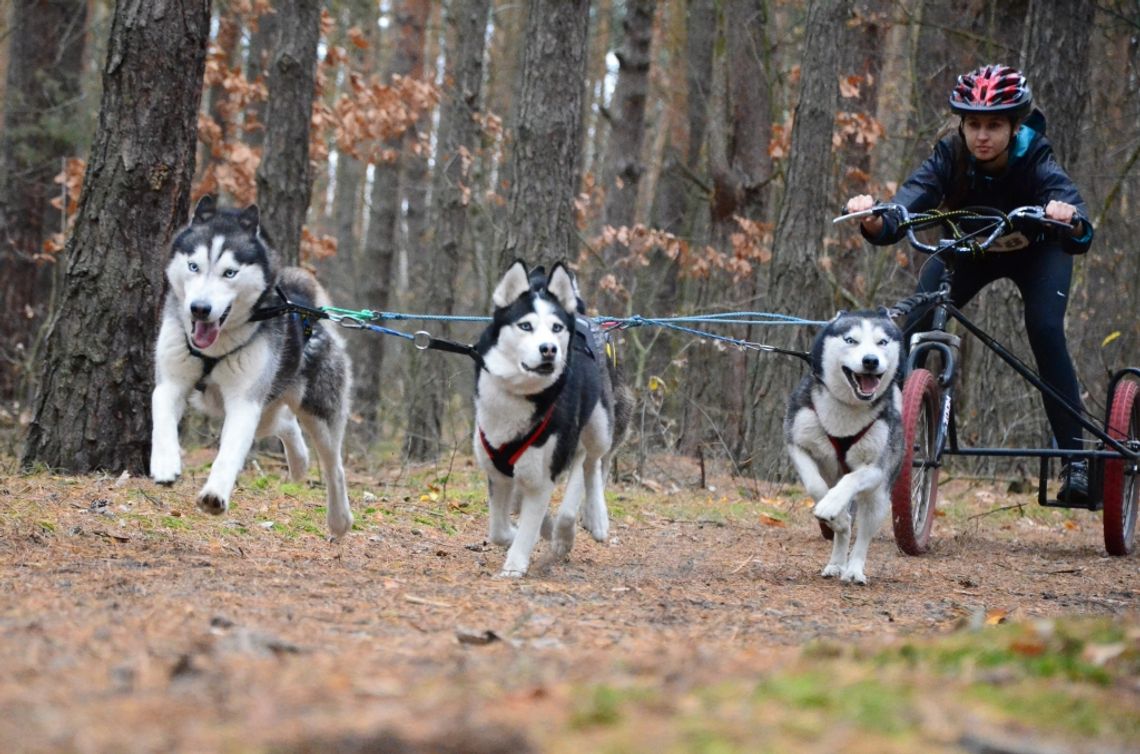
(843, 431)
(229, 346)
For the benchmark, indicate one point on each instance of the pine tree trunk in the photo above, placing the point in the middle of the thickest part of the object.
(284, 178)
(45, 63)
(543, 170)
(1061, 91)
(93, 407)
(436, 375)
(797, 286)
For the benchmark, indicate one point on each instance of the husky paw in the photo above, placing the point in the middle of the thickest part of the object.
(831, 570)
(208, 502)
(838, 524)
(598, 526)
(165, 471)
(339, 524)
(547, 527)
(504, 538)
(511, 573)
(563, 540)
(854, 575)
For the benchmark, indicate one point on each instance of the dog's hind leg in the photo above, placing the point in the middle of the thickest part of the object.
(869, 514)
(595, 516)
(282, 424)
(327, 438)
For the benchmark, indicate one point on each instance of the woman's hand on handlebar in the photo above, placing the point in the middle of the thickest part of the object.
(1065, 213)
(872, 224)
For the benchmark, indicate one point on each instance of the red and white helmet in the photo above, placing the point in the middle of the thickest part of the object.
(992, 90)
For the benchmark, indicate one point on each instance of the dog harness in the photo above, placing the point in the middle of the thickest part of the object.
(507, 455)
(843, 444)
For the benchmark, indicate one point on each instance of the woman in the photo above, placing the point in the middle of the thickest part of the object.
(1000, 158)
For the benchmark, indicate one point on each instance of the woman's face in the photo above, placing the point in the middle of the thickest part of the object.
(987, 136)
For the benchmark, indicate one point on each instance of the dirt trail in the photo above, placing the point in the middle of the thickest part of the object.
(130, 622)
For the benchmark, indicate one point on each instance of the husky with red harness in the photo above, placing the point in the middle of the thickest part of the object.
(545, 405)
(844, 434)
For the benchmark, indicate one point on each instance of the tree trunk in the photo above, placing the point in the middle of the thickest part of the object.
(458, 137)
(1061, 91)
(284, 178)
(45, 64)
(262, 41)
(93, 407)
(379, 259)
(797, 286)
(543, 172)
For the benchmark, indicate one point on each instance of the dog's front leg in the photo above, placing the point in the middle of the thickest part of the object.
(500, 505)
(238, 430)
(808, 471)
(167, 403)
(535, 501)
(872, 509)
(833, 508)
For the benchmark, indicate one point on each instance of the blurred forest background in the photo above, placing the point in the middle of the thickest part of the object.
(686, 155)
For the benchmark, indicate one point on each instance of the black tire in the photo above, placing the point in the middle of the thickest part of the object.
(916, 489)
(1122, 476)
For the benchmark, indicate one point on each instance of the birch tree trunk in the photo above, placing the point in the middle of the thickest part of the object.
(93, 407)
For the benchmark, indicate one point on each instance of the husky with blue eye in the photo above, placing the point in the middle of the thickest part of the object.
(843, 431)
(222, 349)
(548, 402)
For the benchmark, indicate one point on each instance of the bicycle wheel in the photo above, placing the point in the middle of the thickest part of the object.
(1122, 476)
(916, 489)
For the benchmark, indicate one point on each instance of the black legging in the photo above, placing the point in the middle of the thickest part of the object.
(1043, 273)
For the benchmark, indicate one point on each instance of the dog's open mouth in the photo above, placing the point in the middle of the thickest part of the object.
(203, 334)
(864, 385)
(546, 368)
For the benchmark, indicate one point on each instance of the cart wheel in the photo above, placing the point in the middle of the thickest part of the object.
(1122, 476)
(916, 489)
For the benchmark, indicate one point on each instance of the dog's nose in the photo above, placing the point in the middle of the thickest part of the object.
(200, 309)
(870, 361)
(548, 351)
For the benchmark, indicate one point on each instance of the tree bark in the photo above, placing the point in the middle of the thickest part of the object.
(543, 171)
(1061, 91)
(797, 285)
(46, 50)
(457, 140)
(93, 407)
(284, 177)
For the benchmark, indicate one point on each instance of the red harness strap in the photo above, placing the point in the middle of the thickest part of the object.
(507, 455)
(843, 444)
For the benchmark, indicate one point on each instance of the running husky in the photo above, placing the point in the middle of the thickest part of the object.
(844, 433)
(221, 347)
(544, 404)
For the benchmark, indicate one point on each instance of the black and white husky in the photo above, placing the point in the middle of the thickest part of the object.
(547, 401)
(219, 350)
(844, 433)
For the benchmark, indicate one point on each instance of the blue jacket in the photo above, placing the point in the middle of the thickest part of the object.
(1032, 177)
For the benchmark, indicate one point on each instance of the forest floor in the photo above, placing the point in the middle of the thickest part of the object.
(130, 622)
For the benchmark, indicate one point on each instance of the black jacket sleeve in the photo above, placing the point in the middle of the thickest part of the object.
(1054, 184)
(922, 191)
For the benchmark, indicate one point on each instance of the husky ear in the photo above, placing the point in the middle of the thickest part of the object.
(206, 208)
(515, 283)
(561, 285)
(250, 219)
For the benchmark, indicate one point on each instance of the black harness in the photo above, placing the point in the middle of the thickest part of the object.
(308, 318)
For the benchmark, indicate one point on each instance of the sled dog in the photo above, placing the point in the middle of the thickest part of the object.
(547, 401)
(843, 431)
(221, 349)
